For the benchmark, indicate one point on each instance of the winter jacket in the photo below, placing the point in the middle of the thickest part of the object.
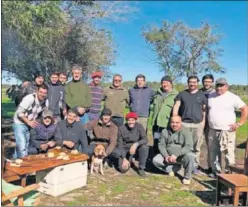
(77, 94)
(140, 100)
(128, 136)
(103, 134)
(74, 132)
(56, 98)
(116, 100)
(163, 108)
(43, 134)
(97, 95)
(175, 143)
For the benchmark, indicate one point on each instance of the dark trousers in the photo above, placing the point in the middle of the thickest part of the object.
(142, 153)
(34, 151)
(118, 121)
(156, 131)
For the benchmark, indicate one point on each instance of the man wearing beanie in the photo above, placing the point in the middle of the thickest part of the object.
(162, 108)
(141, 96)
(132, 141)
(190, 104)
(30, 87)
(97, 95)
(102, 131)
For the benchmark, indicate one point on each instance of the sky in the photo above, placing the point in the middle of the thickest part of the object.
(134, 56)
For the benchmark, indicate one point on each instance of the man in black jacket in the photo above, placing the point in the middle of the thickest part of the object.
(73, 134)
(132, 141)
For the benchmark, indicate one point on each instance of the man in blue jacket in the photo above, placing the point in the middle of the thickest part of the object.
(141, 96)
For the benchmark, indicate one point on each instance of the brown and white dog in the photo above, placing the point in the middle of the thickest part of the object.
(97, 159)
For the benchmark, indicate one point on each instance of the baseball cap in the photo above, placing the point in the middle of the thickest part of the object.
(222, 81)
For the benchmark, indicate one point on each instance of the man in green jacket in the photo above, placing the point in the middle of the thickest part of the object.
(116, 98)
(176, 146)
(163, 103)
(78, 94)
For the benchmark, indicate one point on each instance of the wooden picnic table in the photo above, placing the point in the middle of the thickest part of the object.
(34, 163)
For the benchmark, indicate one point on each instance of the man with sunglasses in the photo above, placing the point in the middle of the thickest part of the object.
(116, 98)
(222, 105)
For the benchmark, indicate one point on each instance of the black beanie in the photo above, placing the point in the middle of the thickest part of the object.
(106, 111)
(166, 78)
(38, 73)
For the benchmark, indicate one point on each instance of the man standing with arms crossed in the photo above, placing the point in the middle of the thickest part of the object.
(191, 105)
(222, 125)
(78, 95)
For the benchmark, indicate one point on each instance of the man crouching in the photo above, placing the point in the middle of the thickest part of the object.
(175, 146)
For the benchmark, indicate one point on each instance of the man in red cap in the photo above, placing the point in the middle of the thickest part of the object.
(131, 141)
(97, 95)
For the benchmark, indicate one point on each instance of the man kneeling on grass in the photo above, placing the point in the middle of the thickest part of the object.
(176, 146)
(132, 141)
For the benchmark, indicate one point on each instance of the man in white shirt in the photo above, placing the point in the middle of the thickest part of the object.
(25, 117)
(222, 125)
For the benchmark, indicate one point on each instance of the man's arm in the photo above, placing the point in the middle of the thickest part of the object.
(162, 143)
(68, 96)
(113, 140)
(188, 142)
(244, 114)
(84, 141)
(143, 138)
(63, 98)
(204, 107)
(176, 108)
(127, 97)
(33, 138)
(88, 98)
(120, 144)
(58, 137)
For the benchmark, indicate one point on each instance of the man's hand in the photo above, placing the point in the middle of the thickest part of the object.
(125, 164)
(64, 112)
(43, 147)
(77, 118)
(25, 84)
(167, 159)
(133, 149)
(172, 158)
(51, 144)
(233, 127)
(81, 110)
(32, 124)
(69, 144)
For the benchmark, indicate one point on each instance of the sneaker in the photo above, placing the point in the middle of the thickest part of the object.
(196, 171)
(212, 175)
(186, 181)
(171, 174)
(141, 173)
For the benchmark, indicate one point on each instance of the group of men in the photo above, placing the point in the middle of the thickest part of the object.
(71, 116)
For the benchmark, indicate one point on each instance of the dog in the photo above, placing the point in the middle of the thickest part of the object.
(97, 159)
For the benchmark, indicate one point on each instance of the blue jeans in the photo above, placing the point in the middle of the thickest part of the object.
(22, 136)
(84, 119)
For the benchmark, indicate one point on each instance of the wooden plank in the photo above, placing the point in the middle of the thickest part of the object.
(33, 164)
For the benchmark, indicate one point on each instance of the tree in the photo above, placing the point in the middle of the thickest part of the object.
(53, 35)
(182, 50)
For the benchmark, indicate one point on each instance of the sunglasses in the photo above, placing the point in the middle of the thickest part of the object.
(219, 85)
(117, 80)
(47, 117)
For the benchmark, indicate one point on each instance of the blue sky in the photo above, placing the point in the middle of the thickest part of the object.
(134, 56)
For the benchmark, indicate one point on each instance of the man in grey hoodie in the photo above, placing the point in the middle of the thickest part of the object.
(56, 94)
(176, 146)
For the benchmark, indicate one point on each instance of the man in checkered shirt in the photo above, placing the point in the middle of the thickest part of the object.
(25, 117)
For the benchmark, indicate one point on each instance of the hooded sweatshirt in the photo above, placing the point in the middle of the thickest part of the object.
(140, 100)
(56, 98)
(42, 134)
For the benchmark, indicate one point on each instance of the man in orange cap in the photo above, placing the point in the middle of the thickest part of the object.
(97, 95)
